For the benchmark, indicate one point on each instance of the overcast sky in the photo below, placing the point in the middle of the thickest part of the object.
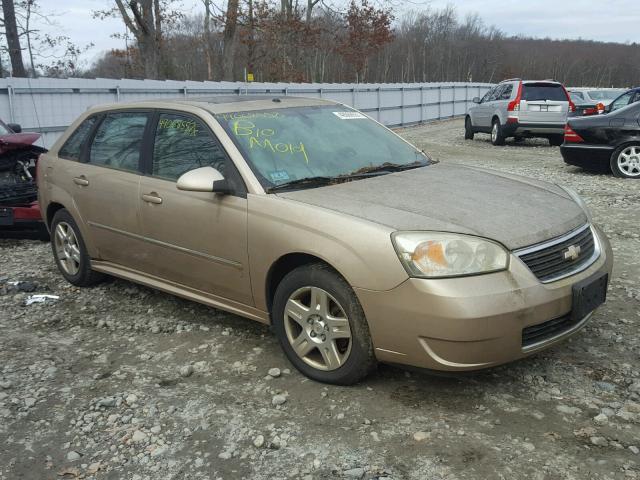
(605, 20)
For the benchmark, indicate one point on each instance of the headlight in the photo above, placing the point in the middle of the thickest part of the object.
(576, 198)
(435, 254)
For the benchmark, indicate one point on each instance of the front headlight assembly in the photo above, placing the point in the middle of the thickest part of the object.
(439, 254)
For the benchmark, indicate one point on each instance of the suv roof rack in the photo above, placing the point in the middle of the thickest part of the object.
(511, 80)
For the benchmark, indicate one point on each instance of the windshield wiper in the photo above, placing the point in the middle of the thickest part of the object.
(387, 167)
(302, 182)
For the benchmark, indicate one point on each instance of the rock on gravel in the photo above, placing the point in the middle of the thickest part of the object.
(278, 399)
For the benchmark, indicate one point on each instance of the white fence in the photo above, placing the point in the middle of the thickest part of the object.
(49, 105)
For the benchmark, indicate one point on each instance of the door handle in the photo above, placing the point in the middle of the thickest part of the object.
(152, 198)
(81, 180)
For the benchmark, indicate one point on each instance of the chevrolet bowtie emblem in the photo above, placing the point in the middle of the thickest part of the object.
(572, 253)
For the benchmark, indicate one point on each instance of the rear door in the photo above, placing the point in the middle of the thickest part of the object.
(543, 103)
(105, 186)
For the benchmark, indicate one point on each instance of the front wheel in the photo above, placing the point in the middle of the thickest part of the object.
(468, 129)
(625, 161)
(322, 327)
(497, 136)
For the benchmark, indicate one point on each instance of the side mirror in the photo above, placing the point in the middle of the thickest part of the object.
(16, 127)
(223, 187)
(201, 179)
(476, 100)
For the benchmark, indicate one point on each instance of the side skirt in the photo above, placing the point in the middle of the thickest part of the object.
(181, 291)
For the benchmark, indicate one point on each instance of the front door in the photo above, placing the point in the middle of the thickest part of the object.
(195, 239)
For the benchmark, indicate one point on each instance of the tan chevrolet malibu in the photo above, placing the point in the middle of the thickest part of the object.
(309, 216)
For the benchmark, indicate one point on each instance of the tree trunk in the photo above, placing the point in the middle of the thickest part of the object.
(207, 38)
(13, 40)
(229, 36)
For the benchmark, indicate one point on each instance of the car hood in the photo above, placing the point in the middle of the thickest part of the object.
(515, 211)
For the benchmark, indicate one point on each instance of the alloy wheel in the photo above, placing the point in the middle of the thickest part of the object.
(629, 161)
(317, 328)
(67, 248)
(494, 132)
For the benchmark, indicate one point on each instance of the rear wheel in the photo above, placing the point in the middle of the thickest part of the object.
(625, 161)
(70, 252)
(321, 326)
(468, 129)
(556, 140)
(497, 136)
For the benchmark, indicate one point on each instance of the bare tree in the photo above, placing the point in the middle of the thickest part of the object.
(13, 38)
(229, 38)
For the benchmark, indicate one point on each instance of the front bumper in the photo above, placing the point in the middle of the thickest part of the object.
(471, 323)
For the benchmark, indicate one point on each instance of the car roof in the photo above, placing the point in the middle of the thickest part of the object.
(221, 103)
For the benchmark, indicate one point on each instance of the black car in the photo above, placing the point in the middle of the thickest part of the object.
(605, 141)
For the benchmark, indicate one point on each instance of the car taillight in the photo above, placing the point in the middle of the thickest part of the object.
(590, 111)
(514, 106)
(570, 136)
(572, 106)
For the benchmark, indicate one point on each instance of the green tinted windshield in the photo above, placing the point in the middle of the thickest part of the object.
(283, 145)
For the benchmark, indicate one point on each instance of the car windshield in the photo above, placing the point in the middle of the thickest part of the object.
(292, 144)
(604, 94)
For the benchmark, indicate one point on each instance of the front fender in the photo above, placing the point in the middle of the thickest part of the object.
(359, 250)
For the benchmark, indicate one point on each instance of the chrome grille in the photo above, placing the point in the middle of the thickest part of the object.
(559, 258)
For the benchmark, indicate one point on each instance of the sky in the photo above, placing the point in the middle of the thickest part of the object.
(604, 20)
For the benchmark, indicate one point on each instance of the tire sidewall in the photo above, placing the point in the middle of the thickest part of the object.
(361, 358)
(468, 129)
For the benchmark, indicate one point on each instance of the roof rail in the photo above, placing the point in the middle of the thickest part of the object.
(511, 80)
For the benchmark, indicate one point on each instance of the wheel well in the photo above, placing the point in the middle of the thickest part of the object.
(495, 117)
(51, 211)
(282, 267)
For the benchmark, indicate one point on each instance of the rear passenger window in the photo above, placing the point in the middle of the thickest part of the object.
(506, 93)
(184, 143)
(72, 148)
(118, 141)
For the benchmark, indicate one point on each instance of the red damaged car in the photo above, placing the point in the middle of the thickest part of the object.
(18, 191)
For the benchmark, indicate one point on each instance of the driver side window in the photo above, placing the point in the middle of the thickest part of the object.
(488, 95)
(183, 143)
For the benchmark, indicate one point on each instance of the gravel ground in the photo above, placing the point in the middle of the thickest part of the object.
(123, 382)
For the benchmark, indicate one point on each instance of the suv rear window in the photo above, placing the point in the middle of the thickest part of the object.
(543, 91)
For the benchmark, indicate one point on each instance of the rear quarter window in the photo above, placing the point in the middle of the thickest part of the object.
(72, 148)
(532, 92)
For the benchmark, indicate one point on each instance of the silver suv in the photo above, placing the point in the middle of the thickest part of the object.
(521, 109)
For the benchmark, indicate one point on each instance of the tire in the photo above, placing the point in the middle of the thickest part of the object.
(468, 129)
(337, 351)
(67, 240)
(497, 135)
(556, 140)
(625, 161)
